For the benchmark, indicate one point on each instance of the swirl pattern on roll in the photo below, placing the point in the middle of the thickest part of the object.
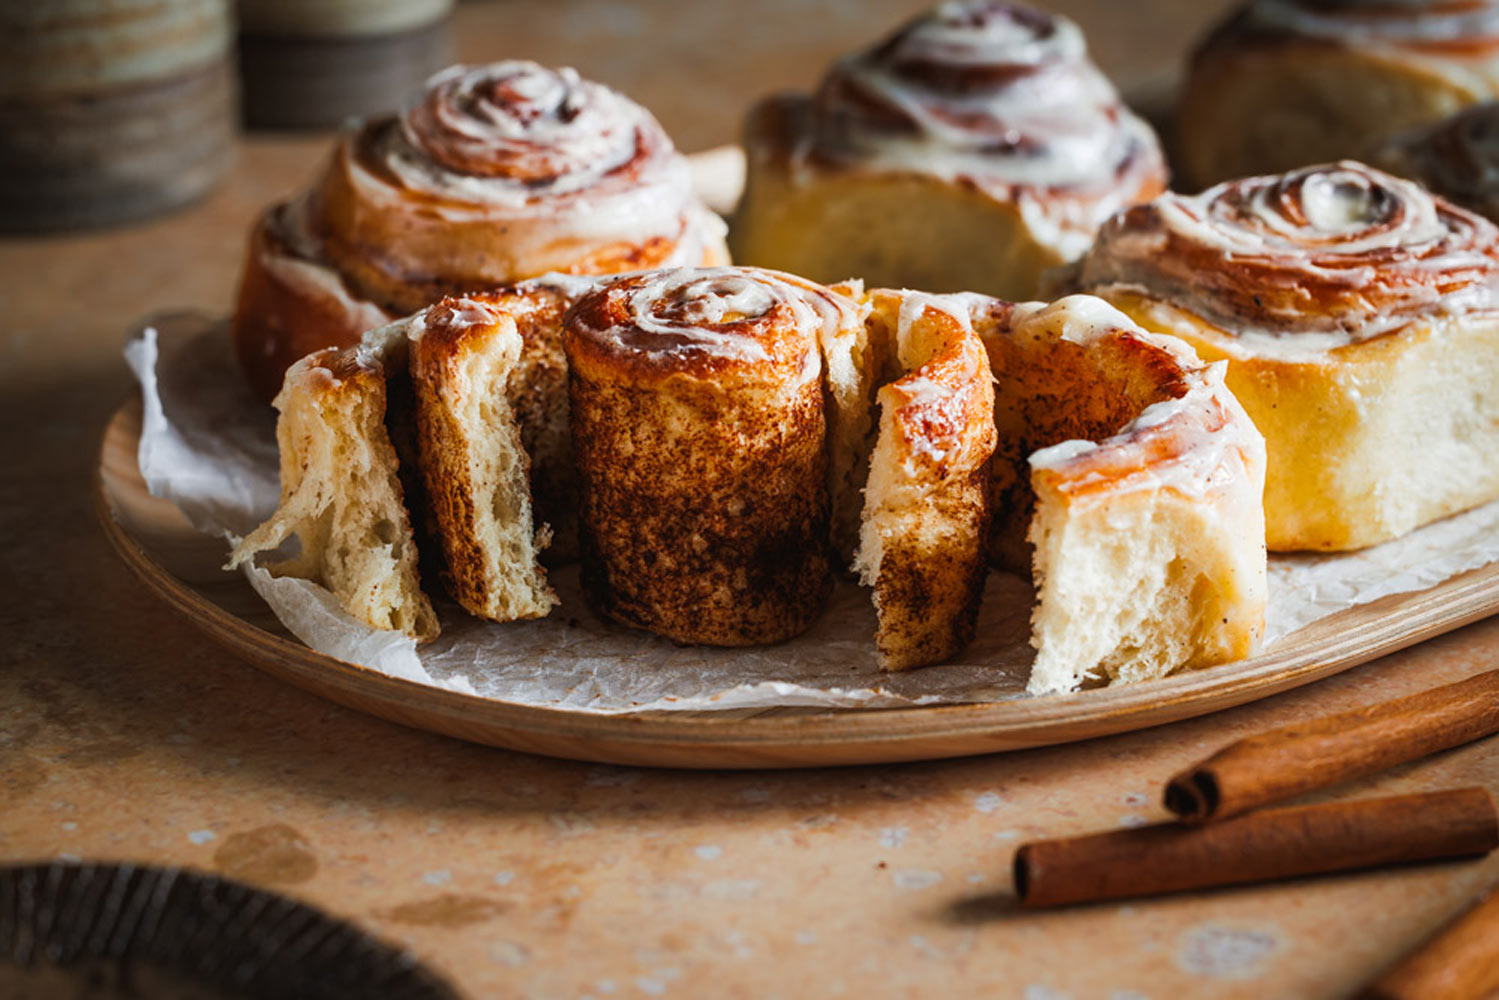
(998, 94)
(1338, 249)
(503, 172)
(515, 136)
(715, 317)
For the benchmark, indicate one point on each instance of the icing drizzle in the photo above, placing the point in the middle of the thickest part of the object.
(1341, 250)
(515, 138)
(737, 314)
(997, 94)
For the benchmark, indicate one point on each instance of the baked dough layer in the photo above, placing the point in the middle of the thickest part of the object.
(464, 354)
(1128, 479)
(901, 230)
(927, 505)
(715, 412)
(1369, 441)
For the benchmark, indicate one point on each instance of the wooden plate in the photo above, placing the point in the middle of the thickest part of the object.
(182, 566)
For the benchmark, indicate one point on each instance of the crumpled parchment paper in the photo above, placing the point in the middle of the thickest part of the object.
(208, 445)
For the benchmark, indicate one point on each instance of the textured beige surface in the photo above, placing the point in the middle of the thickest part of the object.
(123, 734)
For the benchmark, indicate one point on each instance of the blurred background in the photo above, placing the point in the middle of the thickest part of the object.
(129, 182)
(120, 109)
(153, 130)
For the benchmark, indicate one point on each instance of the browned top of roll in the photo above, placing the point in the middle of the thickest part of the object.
(505, 171)
(1188, 435)
(513, 135)
(942, 408)
(734, 324)
(1339, 249)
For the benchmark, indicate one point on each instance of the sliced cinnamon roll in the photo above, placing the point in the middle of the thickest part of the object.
(341, 492)
(465, 353)
(1457, 158)
(1359, 316)
(502, 172)
(1128, 479)
(925, 523)
(971, 150)
(698, 429)
(1286, 83)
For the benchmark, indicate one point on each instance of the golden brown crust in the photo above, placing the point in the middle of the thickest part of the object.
(1128, 479)
(407, 252)
(1051, 390)
(1367, 441)
(1338, 247)
(725, 325)
(1340, 298)
(700, 455)
(289, 307)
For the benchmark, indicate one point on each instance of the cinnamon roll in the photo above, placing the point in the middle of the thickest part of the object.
(1128, 479)
(1458, 158)
(501, 172)
(973, 149)
(341, 492)
(1286, 83)
(1359, 316)
(698, 430)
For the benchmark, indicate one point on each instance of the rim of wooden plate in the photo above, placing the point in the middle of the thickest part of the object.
(791, 737)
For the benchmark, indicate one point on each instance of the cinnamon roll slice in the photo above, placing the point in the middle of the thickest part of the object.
(1286, 83)
(1128, 479)
(1359, 316)
(341, 493)
(971, 150)
(925, 522)
(698, 430)
(464, 353)
(501, 172)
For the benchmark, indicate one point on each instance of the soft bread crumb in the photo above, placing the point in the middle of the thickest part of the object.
(341, 495)
(476, 472)
(1135, 478)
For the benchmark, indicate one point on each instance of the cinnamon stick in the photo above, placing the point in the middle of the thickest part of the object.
(1460, 963)
(1278, 843)
(1287, 762)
